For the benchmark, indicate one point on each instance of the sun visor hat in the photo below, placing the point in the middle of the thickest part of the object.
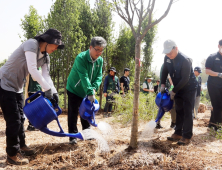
(52, 36)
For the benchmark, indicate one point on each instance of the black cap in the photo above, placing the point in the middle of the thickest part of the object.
(198, 69)
(52, 36)
(112, 69)
(126, 69)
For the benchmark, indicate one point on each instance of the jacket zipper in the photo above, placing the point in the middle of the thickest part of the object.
(77, 82)
(92, 73)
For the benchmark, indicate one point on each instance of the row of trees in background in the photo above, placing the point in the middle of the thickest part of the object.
(78, 23)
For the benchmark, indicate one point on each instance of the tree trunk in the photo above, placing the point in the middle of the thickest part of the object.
(134, 128)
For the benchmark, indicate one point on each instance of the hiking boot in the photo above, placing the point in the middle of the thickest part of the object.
(183, 141)
(173, 125)
(31, 128)
(174, 137)
(27, 151)
(158, 126)
(17, 159)
(73, 141)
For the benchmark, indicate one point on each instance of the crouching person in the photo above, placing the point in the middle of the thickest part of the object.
(25, 60)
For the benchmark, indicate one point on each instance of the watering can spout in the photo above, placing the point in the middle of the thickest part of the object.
(62, 134)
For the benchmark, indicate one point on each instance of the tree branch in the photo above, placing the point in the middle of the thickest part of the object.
(149, 25)
(148, 10)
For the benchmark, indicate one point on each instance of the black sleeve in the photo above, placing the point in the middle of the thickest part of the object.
(121, 80)
(164, 74)
(209, 63)
(185, 75)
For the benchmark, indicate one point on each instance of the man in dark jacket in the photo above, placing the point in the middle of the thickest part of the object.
(110, 88)
(179, 66)
(125, 81)
(214, 85)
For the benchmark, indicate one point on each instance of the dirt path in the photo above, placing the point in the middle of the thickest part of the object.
(204, 152)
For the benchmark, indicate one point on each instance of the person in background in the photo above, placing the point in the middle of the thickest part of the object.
(125, 81)
(31, 87)
(84, 80)
(179, 66)
(148, 85)
(197, 71)
(110, 88)
(29, 56)
(214, 85)
(156, 88)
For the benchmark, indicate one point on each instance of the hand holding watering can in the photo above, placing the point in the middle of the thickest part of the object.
(88, 109)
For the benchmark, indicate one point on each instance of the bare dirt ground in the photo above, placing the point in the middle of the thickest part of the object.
(204, 152)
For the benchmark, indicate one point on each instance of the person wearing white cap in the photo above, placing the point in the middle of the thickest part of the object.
(148, 85)
(179, 66)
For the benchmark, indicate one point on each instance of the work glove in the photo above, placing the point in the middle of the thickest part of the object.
(91, 98)
(202, 94)
(219, 75)
(48, 94)
(162, 89)
(56, 97)
(172, 94)
(171, 88)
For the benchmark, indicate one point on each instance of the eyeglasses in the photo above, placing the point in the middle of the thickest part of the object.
(98, 51)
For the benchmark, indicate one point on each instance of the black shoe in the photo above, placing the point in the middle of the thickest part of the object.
(158, 126)
(173, 125)
(73, 141)
(31, 128)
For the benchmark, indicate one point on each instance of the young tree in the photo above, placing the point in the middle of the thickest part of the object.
(32, 24)
(127, 10)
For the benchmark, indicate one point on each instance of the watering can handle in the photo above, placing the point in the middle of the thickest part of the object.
(42, 93)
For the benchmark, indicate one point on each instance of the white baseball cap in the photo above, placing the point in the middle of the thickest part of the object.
(168, 46)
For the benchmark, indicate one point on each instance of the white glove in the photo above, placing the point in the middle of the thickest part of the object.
(219, 75)
(172, 94)
(91, 98)
(162, 89)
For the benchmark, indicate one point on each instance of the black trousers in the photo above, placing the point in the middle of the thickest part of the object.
(12, 108)
(74, 103)
(216, 101)
(108, 106)
(184, 102)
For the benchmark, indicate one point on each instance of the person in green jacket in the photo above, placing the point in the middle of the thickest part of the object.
(110, 88)
(84, 80)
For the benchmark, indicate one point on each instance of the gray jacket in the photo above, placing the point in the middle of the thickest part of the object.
(15, 70)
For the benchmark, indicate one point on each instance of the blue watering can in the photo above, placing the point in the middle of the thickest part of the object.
(164, 103)
(87, 110)
(41, 112)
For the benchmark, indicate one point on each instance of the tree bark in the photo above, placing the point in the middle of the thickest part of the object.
(134, 128)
